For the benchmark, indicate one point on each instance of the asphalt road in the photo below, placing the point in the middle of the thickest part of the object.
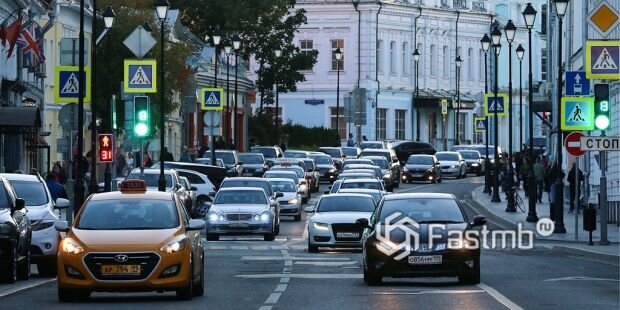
(249, 273)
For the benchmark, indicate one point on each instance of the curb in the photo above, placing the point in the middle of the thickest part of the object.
(611, 259)
(502, 223)
(25, 287)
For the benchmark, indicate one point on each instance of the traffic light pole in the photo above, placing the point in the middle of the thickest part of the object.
(603, 197)
(161, 183)
(78, 197)
(213, 128)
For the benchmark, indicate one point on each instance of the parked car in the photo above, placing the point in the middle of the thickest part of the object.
(390, 156)
(474, 161)
(404, 149)
(254, 164)
(452, 164)
(422, 168)
(15, 235)
(234, 167)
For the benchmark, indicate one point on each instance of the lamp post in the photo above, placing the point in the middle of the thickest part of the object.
(560, 9)
(338, 55)
(459, 63)
(416, 60)
(93, 114)
(486, 44)
(496, 35)
(520, 53)
(216, 37)
(236, 46)
(510, 29)
(228, 51)
(278, 53)
(529, 14)
(108, 21)
(161, 6)
(78, 197)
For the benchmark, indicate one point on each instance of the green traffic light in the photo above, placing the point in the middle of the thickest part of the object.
(601, 122)
(141, 130)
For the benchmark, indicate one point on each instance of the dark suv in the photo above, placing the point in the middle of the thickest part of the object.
(390, 156)
(404, 149)
(269, 152)
(234, 167)
(15, 235)
(336, 153)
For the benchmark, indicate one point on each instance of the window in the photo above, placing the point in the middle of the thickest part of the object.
(481, 63)
(337, 44)
(379, 56)
(306, 46)
(405, 59)
(342, 122)
(246, 64)
(393, 57)
(470, 63)
(446, 61)
(433, 58)
(399, 126)
(543, 19)
(543, 64)
(381, 123)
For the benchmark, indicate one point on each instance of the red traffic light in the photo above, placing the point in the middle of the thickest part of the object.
(106, 148)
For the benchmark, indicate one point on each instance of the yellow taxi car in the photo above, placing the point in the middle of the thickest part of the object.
(131, 241)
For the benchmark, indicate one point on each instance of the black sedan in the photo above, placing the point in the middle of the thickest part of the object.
(474, 161)
(15, 235)
(398, 241)
(422, 168)
(327, 170)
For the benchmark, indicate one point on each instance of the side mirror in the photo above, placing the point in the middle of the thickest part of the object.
(20, 204)
(279, 195)
(326, 192)
(309, 209)
(279, 155)
(211, 194)
(363, 222)
(62, 226)
(344, 156)
(479, 220)
(193, 188)
(240, 163)
(62, 203)
(196, 225)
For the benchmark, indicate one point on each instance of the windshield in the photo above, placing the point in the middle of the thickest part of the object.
(322, 160)
(447, 156)
(267, 152)
(362, 184)
(332, 152)
(355, 175)
(346, 204)
(424, 209)
(245, 183)
(251, 159)
(150, 178)
(240, 197)
(349, 151)
(227, 158)
(294, 154)
(124, 214)
(32, 192)
(299, 172)
(275, 175)
(420, 160)
(381, 162)
(470, 155)
(385, 155)
(371, 145)
(4, 200)
(283, 186)
(376, 196)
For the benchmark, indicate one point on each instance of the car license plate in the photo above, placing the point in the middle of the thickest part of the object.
(425, 260)
(241, 225)
(347, 235)
(417, 175)
(247, 174)
(121, 269)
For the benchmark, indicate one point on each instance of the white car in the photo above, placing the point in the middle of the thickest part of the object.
(332, 223)
(42, 214)
(202, 183)
(452, 164)
(290, 202)
(301, 176)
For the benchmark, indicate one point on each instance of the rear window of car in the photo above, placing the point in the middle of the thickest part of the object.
(361, 184)
(322, 160)
(332, 152)
(371, 145)
(267, 152)
(244, 183)
(275, 175)
(251, 159)
(386, 155)
(4, 200)
(346, 204)
(299, 172)
(349, 151)
(32, 192)
(447, 156)
(470, 155)
(294, 154)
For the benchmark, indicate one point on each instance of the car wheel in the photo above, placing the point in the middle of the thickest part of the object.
(297, 218)
(47, 268)
(396, 184)
(372, 277)
(270, 236)
(23, 269)
(186, 293)
(8, 272)
(471, 277)
(439, 180)
(312, 248)
(199, 289)
(213, 237)
(277, 229)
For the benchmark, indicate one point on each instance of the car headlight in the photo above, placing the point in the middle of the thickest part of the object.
(214, 217)
(265, 216)
(386, 176)
(454, 166)
(293, 201)
(332, 170)
(475, 164)
(69, 245)
(320, 226)
(43, 225)
(175, 245)
(405, 169)
(5, 228)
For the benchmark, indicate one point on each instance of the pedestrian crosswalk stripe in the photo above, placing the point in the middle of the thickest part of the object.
(140, 78)
(71, 86)
(605, 61)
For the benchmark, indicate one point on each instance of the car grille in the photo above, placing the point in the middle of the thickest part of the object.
(418, 170)
(148, 261)
(347, 228)
(445, 167)
(238, 216)
(283, 211)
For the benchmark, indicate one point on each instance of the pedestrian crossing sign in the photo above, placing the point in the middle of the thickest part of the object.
(67, 84)
(603, 60)
(480, 124)
(212, 99)
(491, 103)
(577, 113)
(140, 76)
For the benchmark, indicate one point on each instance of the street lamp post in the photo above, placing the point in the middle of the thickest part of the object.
(161, 6)
(236, 45)
(228, 52)
(278, 53)
(216, 37)
(459, 63)
(486, 44)
(108, 21)
(529, 14)
(560, 9)
(496, 35)
(78, 197)
(93, 114)
(338, 55)
(416, 60)
(510, 29)
(520, 53)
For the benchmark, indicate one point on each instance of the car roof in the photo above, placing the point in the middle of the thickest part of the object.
(280, 171)
(468, 151)
(419, 195)
(374, 150)
(339, 194)
(373, 157)
(281, 180)
(225, 189)
(362, 166)
(361, 180)
(21, 177)
(421, 155)
(153, 195)
(250, 153)
(359, 190)
(245, 179)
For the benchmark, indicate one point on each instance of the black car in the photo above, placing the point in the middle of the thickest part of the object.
(234, 167)
(404, 149)
(269, 152)
(386, 255)
(422, 168)
(215, 174)
(254, 164)
(327, 170)
(474, 161)
(375, 145)
(15, 235)
(336, 153)
(390, 156)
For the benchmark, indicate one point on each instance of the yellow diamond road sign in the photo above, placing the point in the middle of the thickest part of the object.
(604, 18)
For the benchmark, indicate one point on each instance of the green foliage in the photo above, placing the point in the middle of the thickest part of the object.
(262, 130)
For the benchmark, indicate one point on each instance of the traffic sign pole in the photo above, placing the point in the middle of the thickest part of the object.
(603, 197)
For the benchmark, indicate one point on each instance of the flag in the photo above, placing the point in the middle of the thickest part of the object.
(12, 32)
(30, 42)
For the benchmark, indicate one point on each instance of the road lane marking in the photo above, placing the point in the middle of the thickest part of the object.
(302, 276)
(580, 279)
(273, 298)
(281, 288)
(265, 308)
(499, 297)
(26, 286)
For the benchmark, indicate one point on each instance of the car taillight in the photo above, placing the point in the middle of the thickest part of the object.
(308, 177)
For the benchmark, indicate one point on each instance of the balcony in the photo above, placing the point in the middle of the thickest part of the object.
(479, 6)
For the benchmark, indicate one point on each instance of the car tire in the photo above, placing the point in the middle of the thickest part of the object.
(297, 218)
(439, 180)
(270, 236)
(213, 237)
(372, 277)
(277, 229)
(23, 268)
(472, 277)
(396, 184)
(199, 289)
(312, 248)
(187, 292)
(47, 268)
(8, 272)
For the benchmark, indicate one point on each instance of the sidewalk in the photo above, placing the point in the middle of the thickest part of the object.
(560, 242)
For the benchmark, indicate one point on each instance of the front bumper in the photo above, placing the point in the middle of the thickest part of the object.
(239, 228)
(290, 209)
(328, 176)
(44, 245)
(451, 171)
(417, 176)
(329, 237)
(474, 168)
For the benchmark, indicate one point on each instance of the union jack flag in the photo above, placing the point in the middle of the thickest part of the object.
(31, 45)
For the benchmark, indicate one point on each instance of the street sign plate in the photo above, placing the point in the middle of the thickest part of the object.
(140, 42)
(212, 99)
(67, 85)
(577, 113)
(572, 143)
(140, 76)
(480, 124)
(603, 60)
(500, 103)
(68, 116)
(444, 106)
(600, 143)
(604, 18)
(212, 118)
(577, 84)
(215, 131)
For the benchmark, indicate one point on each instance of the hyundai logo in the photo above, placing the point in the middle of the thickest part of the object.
(121, 258)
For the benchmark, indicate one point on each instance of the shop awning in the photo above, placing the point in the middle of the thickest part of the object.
(431, 98)
(19, 120)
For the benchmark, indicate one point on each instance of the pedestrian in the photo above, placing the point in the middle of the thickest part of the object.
(185, 156)
(201, 152)
(517, 161)
(56, 189)
(364, 138)
(575, 189)
(219, 143)
(524, 172)
(350, 141)
(121, 164)
(282, 145)
(539, 177)
(231, 144)
(59, 173)
(130, 161)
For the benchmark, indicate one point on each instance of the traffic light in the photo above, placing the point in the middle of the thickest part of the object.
(142, 116)
(106, 153)
(601, 106)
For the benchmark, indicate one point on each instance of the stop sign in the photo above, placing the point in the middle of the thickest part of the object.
(572, 143)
